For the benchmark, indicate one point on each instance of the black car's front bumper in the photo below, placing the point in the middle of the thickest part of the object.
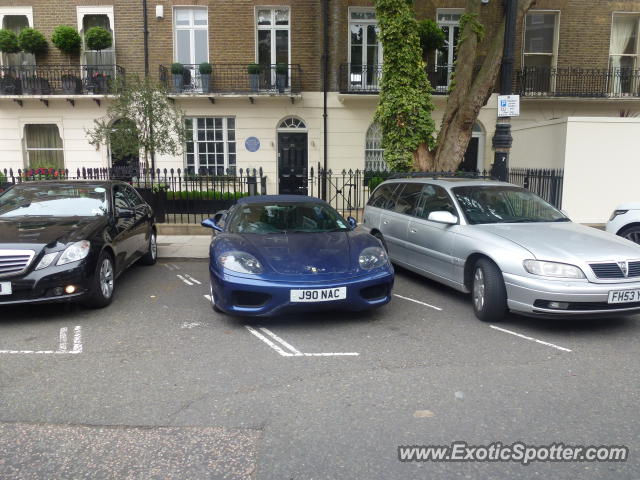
(48, 285)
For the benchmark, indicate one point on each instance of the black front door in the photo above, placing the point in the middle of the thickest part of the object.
(470, 161)
(292, 163)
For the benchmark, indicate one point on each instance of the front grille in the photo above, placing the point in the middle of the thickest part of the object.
(613, 270)
(14, 262)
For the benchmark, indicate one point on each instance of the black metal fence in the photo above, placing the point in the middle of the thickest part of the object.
(578, 82)
(234, 78)
(175, 195)
(61, 79)
(546, 183)
(365, 79)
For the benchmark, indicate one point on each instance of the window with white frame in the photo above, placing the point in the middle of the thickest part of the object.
(16, 19)
(623, 52)
(540, 39)
(43, 146)
(210, 145)
(373, 151)
(273, 36)
(89, 17)
(365, 50)
(448, 19)
(191, 43)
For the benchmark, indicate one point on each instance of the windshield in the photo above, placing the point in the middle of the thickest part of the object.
(285, 217)
(54, 201)
(504, 204)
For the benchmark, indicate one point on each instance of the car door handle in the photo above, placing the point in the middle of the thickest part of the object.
(385, 222)
(413, 230)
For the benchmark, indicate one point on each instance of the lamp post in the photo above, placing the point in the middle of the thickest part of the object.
(502, 140)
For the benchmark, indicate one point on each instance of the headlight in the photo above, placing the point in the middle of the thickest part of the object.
(75, 252)
(552, 269)
(616, 213)
(372, 257)
(241, 262)
(47, 260)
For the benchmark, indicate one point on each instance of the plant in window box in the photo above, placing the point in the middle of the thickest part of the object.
(254, 77)
(68, 41)
(177, 70)
(205, 69)
(100, 82)
(281, 76)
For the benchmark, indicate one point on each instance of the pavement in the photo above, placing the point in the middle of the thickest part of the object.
(157, 385)
(183, 246)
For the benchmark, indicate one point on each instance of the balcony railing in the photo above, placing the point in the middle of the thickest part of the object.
(61, 79)
(366, 79)
(233, 79)
(578, 82)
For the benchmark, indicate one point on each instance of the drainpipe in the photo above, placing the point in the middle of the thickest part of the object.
(502, 140)
(146, 38)
(325, 90)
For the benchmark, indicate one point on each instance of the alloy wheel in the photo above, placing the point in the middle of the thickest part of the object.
(478, 289)
(153, 246)
(106, 278)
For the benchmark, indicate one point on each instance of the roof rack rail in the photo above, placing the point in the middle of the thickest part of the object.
(436, 175)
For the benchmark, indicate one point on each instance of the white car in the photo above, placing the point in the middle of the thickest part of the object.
(625, 221)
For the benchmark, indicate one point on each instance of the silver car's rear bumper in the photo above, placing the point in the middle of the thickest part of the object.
(584, 298)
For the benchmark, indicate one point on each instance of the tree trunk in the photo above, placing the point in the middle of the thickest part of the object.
(423, 159)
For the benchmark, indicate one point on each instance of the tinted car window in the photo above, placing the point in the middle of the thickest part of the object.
(383, 197)
(407, 198)
(54, 200)
(434, 199)
(121, 199)
(132, 196)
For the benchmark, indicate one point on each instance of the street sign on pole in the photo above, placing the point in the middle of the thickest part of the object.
(508, 106)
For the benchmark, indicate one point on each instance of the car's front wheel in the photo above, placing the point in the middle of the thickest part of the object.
(631, 233)
(488, 292)
(103, 283)
(151, 257)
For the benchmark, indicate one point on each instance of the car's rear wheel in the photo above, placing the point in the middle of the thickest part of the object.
(151, 257)
(103, 283)
(488, 292)
(213, 300)
(631, 233)
(379, 236)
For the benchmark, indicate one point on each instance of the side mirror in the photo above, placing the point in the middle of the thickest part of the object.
(211, 223)
(443, 217)
(353, 223)
(125, 213)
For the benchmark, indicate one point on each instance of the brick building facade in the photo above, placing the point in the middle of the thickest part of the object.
(573, 58)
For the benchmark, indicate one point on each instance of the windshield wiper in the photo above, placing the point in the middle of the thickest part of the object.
(562, 220)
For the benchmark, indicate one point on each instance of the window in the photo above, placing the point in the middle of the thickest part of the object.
(448, 20)
(383, 196)
(434, 199)
(365, 50)
(540, 40)
(373, 151)
(43, 146)
(408, 198)
(191, 43)
(89, 17)
(16, 18)
(211, 145)
(623, 58)
(273, 40)
(291, 123)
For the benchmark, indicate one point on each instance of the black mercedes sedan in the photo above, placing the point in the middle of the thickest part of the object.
(70, 240)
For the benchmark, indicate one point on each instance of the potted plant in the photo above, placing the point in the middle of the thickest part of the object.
(254, 77)
(9, 84)
(281, 76)
(68, 41)
(177, 70)
(205, 76)
(32, 41)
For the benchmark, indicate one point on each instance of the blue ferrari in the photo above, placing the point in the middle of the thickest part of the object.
(277, 254)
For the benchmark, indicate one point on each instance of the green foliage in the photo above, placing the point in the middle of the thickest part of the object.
(98, 38)
(3, 178)
(432, 37)
(253, 69)
(67, 39)
(8, 41)
(151, 118)
(374, 182)
(32, 41)
(123, 139)
(282, 69)
(204, 195)
(205, 68)
(404, 110)
(177, 68)
(474, 23)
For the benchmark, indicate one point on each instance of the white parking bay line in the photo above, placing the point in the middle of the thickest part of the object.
(530, 338)
(62, 345)
(185, 280)
(417, 301)
(191, 279)
(268, 342)
(282, 342)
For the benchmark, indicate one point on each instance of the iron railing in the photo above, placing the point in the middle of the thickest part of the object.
(175, 195)
(61, 79)
(365, 79)
(546, 183)
(233, 79)
(578, 82)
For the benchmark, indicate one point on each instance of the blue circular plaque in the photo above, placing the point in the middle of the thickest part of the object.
(252, 144)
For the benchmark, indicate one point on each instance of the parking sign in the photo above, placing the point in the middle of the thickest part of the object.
(508, 105)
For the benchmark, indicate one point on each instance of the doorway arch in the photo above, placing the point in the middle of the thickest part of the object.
(293, 156)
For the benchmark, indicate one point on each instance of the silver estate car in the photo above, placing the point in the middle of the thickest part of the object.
(506, 246)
